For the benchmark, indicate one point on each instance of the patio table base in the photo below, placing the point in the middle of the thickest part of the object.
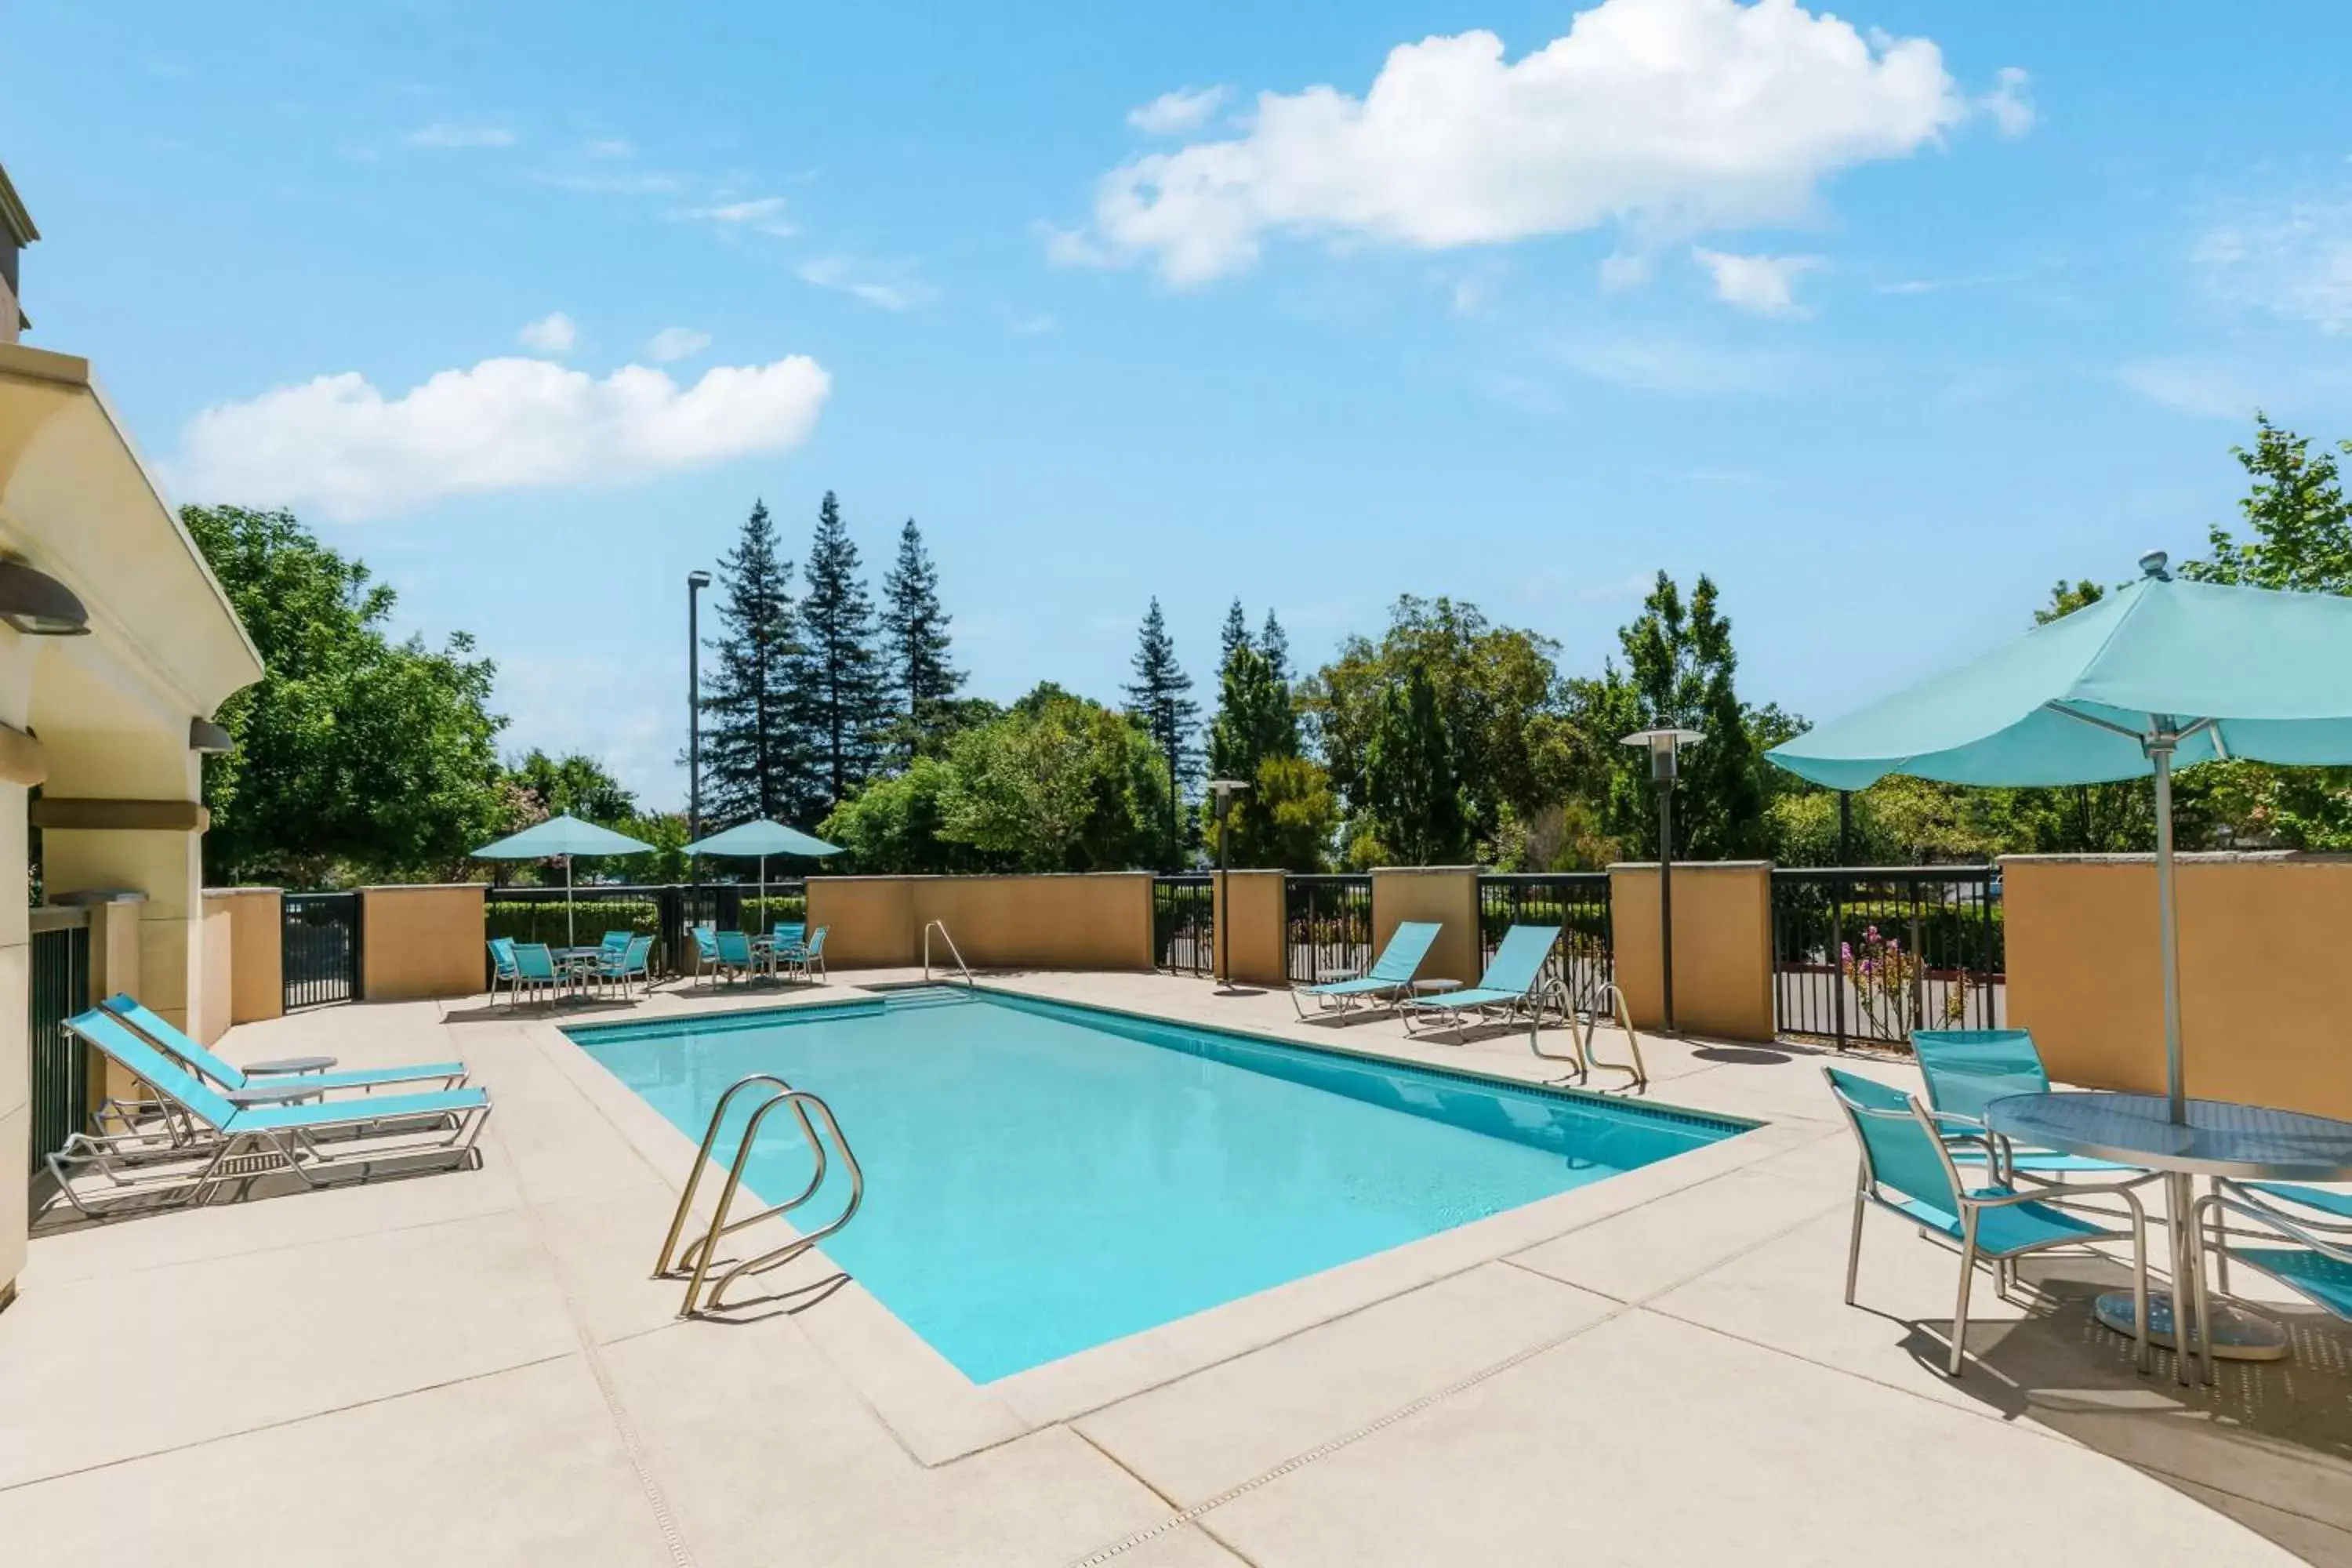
(2237, 1334)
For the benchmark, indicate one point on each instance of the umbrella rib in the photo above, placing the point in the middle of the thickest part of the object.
(2091, 719)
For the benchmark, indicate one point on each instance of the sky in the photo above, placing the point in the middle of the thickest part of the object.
(1886, 318)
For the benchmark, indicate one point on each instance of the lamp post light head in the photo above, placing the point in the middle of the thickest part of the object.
(1663, 745)
(697, 579)
(1225, 790)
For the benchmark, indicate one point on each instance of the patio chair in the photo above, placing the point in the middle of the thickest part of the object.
(239, 1141)
(1907, 1170)
(788, 935)
(1387, 981)
(228, 1076)
(2320, 1268)
(535, 965)
(1514, 982)
(502, 968)
(1967, 1070)
(735, 955)
(706, 950)
(634, 961)
(807, 958)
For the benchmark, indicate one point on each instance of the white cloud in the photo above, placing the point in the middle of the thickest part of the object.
(448, 135)
(2009, 103)
(1675, 366)
(1764, 285)
(2293, 259)
(2205, 389)
(1672, 118)
(341, 446)
(1172, 114)
(892, 286)
(764, 215)
(608, 147)
(676, 343)
(553, 334)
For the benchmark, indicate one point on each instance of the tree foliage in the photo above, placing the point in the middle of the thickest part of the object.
(1287, 815)
(1160, 696)
(755, 761)
(1059, 784)
(841, 687)
(922, 680)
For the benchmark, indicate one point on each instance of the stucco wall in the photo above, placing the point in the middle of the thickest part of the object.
(1099, 921)
(210, 1009)
(257, 988)
(1447, 894)
(1251, 932)
(2262, 943)
(421, 941)
(1723, 946)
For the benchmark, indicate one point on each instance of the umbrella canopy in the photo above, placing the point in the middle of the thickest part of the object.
(564, 836)
(763, 838)
(2156, 675)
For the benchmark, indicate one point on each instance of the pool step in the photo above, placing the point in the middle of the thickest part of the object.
(928, 997)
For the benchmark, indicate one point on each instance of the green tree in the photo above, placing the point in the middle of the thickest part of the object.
(841, 686)
(355, 755)
(2296, 511)
(1256, 725)
(1234, 635)
(894, 824)
(755, 761)
(922, 681)
(1411, 783)
(1275, 643)
(1160, 697)
(1059, 784)
(574, 784)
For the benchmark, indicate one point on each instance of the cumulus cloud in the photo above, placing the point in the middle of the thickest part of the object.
(1174, 114)
(2009, 104)
(1762, 284)
(447, 135)
(1668, 117)
(339, 445)
(553, 334)
(676, 343)
(2293, 259)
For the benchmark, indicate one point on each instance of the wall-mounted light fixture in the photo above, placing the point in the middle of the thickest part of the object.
(37, 605)
(204, 735)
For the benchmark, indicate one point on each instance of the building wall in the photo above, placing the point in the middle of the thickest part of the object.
(421, 941)
(1723, 946)
(1251, 938)
(1447, 894)
(257, 984)
(1095, 921)
(2262, 938)
(210, 1014)
(26, 766)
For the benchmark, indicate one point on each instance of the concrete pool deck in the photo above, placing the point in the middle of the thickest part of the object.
(473, 1367)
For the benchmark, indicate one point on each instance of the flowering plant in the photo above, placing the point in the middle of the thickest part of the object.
(1883, 977)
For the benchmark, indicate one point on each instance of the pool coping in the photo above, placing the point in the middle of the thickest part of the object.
(940, 1414)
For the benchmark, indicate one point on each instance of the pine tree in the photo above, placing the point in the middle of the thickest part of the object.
(753, 764)
(841, 691)
(1412, 776)
(1156, 697)
(1275, 643)
(1235, 635)
(915, 648)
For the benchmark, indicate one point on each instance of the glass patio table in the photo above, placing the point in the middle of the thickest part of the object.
(2243, 1143)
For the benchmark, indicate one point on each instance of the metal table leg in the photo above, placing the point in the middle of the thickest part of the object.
(2234, 1333)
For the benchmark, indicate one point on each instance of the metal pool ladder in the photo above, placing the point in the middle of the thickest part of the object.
(941, 927)
(696, 1259)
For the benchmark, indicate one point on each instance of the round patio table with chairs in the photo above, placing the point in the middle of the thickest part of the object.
(2241, 1142)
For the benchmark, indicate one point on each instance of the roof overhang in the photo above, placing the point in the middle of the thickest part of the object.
(79, 502)
(14, 219)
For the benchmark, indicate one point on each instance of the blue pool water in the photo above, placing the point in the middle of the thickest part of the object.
(1041, 1178)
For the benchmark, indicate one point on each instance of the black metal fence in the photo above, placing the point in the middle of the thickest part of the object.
(60, 988)
(1576, 902)
(667, 911)
(1867, 954)
(1328, 926)
(319, 948)
(1183, 919)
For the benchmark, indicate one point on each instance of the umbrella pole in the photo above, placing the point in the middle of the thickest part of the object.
(571, 931)
(2159, 752)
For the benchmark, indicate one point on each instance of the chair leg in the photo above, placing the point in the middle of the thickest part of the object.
(1960, 1305)
(1853, 1249)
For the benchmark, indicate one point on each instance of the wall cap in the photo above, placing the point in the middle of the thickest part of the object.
(232, 892)
(428, 887)
(957, 876)
(101, 896)
(1682, 866)
(2189, 858)
(1429, 870)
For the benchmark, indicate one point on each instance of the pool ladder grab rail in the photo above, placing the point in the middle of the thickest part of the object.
(696, 1260)
(941, 927)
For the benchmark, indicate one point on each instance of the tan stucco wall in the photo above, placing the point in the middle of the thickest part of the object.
(1251, 931)
(421, 941)
(1448, 894)
(209, 1017)
(1723, 946)
(1098, 921)
(2263, 944)
(257, 988)
(113, 968)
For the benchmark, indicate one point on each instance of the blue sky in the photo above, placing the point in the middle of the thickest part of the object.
(1885, 319)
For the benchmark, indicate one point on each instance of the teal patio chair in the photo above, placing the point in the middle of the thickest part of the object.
(2317, 1266)
(1514, 982)
(535, 965)
(788, 935)
(706, 950)
(1389, 979)
(735, 955)
(234, 1142)
(633, 961)
(1967, 1070)
(229, 1077)
(502, 969)
(808, 958)
(1907, 1170)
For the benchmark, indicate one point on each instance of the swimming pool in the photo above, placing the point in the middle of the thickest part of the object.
(1041, 1177)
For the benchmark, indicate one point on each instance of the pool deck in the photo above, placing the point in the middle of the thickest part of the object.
(475, 1368)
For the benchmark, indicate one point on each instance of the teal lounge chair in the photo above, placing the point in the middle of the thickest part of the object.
(1967, 1070)
(229, 1077)
(1907, 1170)
(1389, 979)
(808, 958)
(1513, 983)
(239, 1140)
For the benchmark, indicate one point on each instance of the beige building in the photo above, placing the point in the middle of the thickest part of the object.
(117, 646)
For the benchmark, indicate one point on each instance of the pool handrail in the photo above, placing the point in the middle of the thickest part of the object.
(942, 926)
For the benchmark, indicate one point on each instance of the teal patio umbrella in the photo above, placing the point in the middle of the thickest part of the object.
(2155, 675)
(564, 836)
(763, 838)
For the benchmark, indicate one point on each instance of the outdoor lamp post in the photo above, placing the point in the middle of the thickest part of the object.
(1665, 745)
(1225, 790)
(696, 582)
